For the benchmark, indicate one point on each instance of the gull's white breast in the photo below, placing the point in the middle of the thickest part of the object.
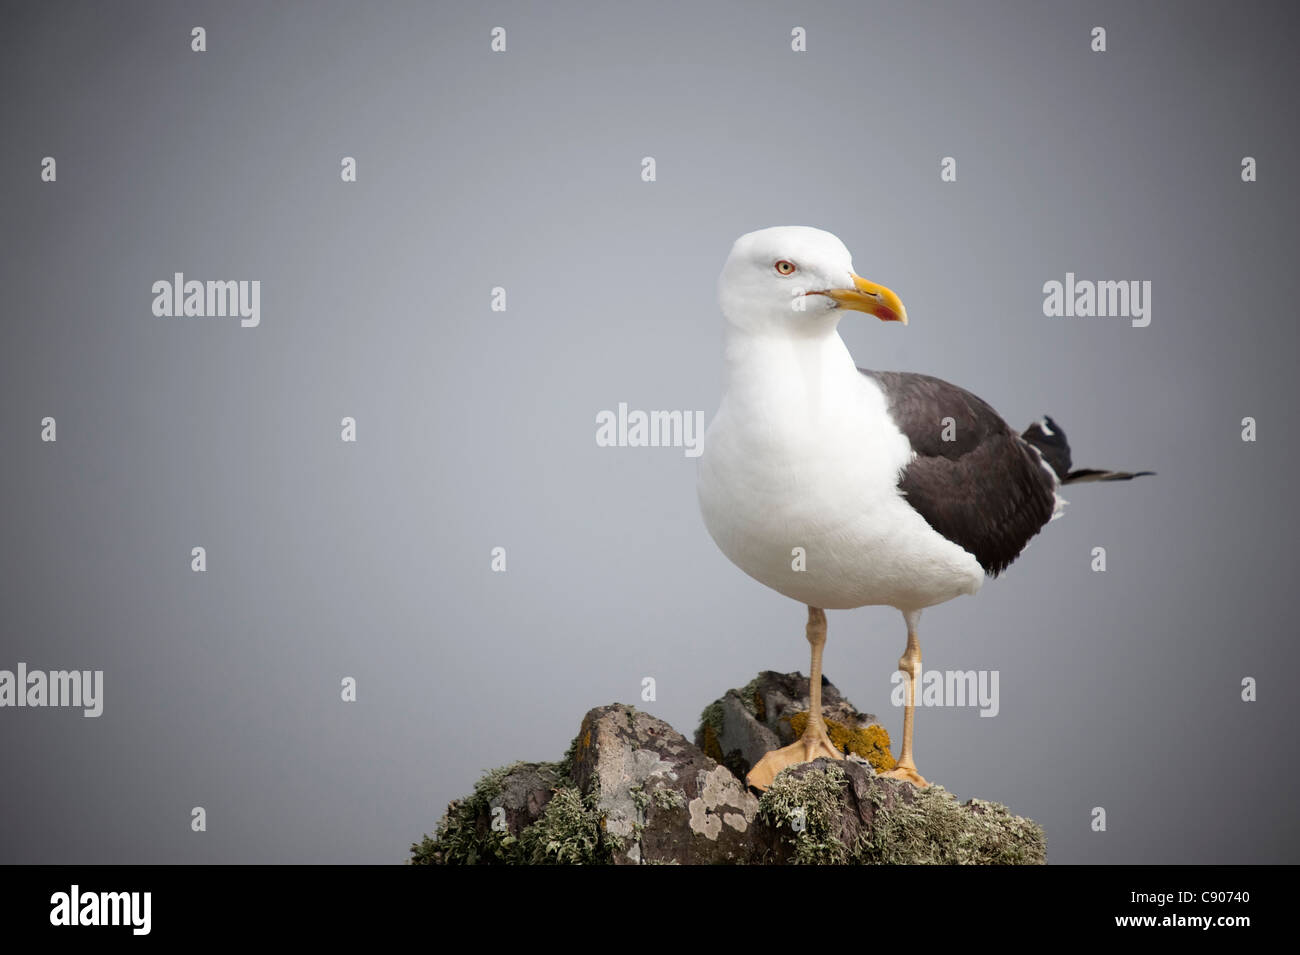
(800, 468)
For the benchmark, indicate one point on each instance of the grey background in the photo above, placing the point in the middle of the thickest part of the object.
(477, 428)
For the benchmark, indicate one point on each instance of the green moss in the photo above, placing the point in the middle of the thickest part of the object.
(915, 827)
(753, 700)
(711, 718)
(464, 834)
(640, 798)
(933, 828)
(424, 852)
(807, 806)
(870, 742)
(668, 798)
(565, 766)
(569, 832)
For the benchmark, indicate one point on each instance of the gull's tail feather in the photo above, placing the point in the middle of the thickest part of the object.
(1092, 474)
(1046, 435)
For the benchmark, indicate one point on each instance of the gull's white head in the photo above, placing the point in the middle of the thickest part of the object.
(795, 279)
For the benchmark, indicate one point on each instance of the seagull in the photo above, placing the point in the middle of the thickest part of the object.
(841, 487)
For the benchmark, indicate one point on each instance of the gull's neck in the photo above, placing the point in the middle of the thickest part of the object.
(775, 360)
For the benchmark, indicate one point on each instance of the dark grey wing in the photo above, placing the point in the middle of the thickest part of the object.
(986, 489)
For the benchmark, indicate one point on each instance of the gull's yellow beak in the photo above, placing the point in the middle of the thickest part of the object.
(870, 298)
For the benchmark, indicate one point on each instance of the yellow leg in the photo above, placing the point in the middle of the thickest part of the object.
(814, 742)
(909, 663)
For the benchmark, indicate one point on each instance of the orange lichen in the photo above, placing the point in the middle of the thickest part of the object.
(869, 742)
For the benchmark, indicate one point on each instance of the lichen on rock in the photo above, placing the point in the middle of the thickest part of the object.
(660, 795)
(632, 790)
(807, 806)
(871, 742)
(771, 711)
(831, 812)
(563, 826)
(933, 828)
(568, 832)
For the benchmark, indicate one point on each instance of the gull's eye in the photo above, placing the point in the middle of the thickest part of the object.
(785, 267)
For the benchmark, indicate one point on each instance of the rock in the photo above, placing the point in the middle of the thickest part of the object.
(525, 791)
(662, 799)
(730, 734)
(772, 711)
(473, 831)
(841, 812)
(632, 790)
